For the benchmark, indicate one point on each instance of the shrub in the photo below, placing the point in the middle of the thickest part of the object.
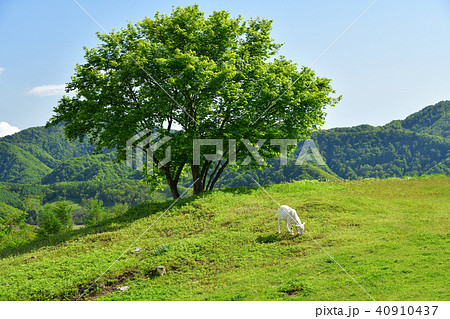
(63, 211)
(118, 210)
(94, 212)
(49, 224)
(161, 250)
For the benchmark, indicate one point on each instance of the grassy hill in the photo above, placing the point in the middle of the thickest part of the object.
(390, 235)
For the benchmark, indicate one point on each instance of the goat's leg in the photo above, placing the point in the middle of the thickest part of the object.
(288, 226)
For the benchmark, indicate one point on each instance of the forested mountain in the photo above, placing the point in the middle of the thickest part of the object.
(90, 168)
(433, 120)
(31, 154)
(20, 166)
(275, 173)
(40, 155)
(45, 143)
(417, 145)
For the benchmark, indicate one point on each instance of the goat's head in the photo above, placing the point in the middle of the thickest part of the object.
(301, 228)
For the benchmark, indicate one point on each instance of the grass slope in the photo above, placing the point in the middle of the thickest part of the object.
(390, 235)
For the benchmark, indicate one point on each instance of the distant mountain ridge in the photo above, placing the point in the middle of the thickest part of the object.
(40, 155)
(419, 144)
(432, 120)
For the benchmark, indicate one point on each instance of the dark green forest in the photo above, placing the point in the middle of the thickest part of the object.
(417, 145)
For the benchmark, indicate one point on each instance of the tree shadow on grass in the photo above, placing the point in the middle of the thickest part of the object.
(113, 224)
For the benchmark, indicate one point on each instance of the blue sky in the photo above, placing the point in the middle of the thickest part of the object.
(393, 62)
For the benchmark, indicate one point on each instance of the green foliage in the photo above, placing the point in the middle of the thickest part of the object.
(130, 192)
(63, 211)
(118, 210)
(9, 198)
(275, 173)
(433, 120)
(214, 76)
(19, 166)
(55, 218)
(49, 224)
(16, 237)
(28, 156)
(32, 206)
(161, 250)
(94, 212)
(90, 168)
(10, 218)
(50, 141)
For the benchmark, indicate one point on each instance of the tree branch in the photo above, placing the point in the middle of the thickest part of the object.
(216, 178)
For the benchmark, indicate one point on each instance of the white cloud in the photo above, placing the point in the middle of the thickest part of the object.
(2, 70)
(48, 90)
(6, 129)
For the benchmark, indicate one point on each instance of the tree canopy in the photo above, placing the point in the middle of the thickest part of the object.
(188, 76)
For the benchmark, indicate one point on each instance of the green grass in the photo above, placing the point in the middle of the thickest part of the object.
(390, 235)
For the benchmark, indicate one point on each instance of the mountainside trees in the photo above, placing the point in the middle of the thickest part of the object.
(414, 146)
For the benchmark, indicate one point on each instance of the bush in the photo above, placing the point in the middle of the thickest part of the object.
(161, 250)
(49, 224)
(118, 210)
(11, 218)
(63, 211)
(94, 212)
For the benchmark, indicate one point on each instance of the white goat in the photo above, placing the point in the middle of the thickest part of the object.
(289, 215)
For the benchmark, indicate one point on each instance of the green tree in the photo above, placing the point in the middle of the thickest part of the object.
(118, 210)
(32, 206)
(213, 77)
(49, 224)
(63, 211)
(93, 209)
(11, 218)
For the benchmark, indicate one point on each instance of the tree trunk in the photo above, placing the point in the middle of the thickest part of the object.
(197, 179)
(213, 181)
(174, 189)
(172, 183)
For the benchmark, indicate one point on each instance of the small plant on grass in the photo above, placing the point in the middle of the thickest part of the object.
(161, 250)
(118, 210)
